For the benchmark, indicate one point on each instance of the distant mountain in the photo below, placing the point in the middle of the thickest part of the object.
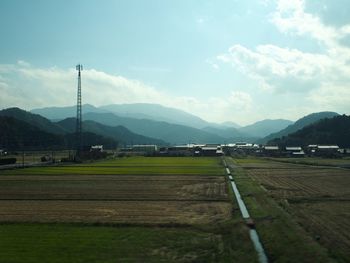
(33, 119)
(326, 131)
(148, 111)
(231, 124)
(136, 110)
(118, 133)
(299, 124)
(156, 112)
(18, 134)
(172, 133)
(44, 133)
(265, 127)
(223, 132)
(160, 130)
(60, 113)
(230, 134)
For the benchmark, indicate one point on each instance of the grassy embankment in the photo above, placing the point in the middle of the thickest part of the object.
(282, 237)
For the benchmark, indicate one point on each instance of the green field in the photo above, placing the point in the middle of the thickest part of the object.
(133, 209)
(132, 166)
(79, 243)
(150, 209)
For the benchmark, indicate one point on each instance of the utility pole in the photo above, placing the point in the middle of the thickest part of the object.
(78, 130)
(22, 158)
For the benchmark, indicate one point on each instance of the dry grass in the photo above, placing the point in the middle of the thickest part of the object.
(318, 198)
(124, 199)
(328, 222)
(171, 210)
(123, 212)
(109, 188)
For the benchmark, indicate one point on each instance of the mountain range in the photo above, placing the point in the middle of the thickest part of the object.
(299, 124)
(118, 133)
(327, 131)
(42, 132)
(147, 114)
(143, 128)
(171, 133)
(35, 120)
(148, 111)
(265, 127)
(16, 134)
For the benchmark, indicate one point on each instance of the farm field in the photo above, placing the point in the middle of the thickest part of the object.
(132, 166)
(161, 209)
(334, 162)
(318, 198)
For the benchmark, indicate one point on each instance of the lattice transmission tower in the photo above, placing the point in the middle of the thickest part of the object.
(78, 130)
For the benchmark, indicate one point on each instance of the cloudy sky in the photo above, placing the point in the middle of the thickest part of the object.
(224, 60)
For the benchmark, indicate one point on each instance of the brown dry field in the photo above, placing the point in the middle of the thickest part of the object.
(318, 198)
(123, 212)
(114, 199)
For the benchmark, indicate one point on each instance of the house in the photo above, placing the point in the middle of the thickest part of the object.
(240, 148)
(327, 150)
(96, 148)
(144, 148)
(298, 154)
(211, 150)
(272, 150)
(294, 151)
(311, 149)
(179, 150)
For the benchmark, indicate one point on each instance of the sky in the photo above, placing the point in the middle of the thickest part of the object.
(226, 60)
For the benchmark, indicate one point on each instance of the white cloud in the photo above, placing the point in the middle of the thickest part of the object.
(290, 17)
(323, 76)
(241, 100)
(280, 69)
(329, 95)
(36, 87)
(213, 65)
(23, 63)
(27, 86)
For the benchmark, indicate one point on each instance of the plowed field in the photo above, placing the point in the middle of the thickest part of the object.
(93, 193)
(318, 197)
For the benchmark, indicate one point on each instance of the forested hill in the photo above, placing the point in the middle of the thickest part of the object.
(327, 131)
(299, 124)
(19, 135)
(33, 119)
(118, 133)
(22, 129)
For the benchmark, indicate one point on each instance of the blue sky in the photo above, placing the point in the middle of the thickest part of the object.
(239, 61)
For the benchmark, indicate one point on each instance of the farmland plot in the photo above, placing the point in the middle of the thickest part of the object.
(101, 192)
(317, 197)
(130, 210)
